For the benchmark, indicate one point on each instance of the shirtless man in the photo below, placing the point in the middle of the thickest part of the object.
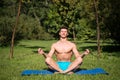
(63, 49)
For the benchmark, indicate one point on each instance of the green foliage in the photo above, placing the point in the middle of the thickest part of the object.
(112, 22)
(6, 30)
(29, 26)
(7, 21)
(41, 19)
(76, 15)
(84, 31)
(29, 29)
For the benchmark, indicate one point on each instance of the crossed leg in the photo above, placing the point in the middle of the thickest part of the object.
(52, 64)
(74, 65)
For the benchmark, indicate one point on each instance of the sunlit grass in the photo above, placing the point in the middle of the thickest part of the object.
(26, 57)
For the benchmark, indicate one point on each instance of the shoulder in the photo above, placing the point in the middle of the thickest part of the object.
(54, 44)
(72, 43)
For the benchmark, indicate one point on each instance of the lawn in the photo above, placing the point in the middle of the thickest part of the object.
(26, 57)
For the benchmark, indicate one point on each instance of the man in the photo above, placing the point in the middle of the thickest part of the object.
(63, 49)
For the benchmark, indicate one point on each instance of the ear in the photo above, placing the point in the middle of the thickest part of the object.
(67, 34)
(59, 33)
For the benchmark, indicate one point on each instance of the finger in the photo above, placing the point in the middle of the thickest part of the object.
(87, 50)
(39, 49)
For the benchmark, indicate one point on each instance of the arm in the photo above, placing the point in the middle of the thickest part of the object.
(85, 53)
(77, 53)
(40, 51)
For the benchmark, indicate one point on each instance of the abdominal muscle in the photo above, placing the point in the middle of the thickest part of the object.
(63, 56)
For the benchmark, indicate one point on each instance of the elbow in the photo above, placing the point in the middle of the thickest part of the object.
(79, 59)
(77, 56)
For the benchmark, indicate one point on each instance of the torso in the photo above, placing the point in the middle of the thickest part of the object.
(63, 50)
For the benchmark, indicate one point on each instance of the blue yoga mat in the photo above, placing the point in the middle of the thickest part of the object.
(92, 71)
(80, 72)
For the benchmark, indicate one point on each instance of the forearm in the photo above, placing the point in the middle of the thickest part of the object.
(82, 55)
(45, 55)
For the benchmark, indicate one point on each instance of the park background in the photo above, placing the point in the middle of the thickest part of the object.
(92, 24)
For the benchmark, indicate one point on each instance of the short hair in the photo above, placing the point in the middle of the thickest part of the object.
(63, 27)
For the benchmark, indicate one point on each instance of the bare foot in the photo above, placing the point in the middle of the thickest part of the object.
(63, 72)
(56, 72)
(70, 72)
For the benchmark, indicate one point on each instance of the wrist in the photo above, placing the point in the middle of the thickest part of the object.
(86, 52)
(43, 53)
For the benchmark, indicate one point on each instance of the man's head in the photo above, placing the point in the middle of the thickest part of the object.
(63, 32)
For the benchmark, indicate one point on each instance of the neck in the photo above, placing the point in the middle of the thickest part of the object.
(63, 39)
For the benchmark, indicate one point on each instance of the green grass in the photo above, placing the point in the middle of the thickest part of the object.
(26, 57)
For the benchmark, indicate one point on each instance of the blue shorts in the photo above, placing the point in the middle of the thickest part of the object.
(63, 65)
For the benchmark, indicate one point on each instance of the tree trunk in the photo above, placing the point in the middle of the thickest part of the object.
(14, 30)
(98, 27)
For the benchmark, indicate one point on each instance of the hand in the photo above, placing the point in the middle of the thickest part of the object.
(86, 51)
(40, 51)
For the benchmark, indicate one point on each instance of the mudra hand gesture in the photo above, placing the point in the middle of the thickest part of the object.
(86, 51)
(40, 51)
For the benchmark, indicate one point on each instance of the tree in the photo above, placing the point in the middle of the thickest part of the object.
(6, 21)
(35, 11)
(14, 30)
(97, 23)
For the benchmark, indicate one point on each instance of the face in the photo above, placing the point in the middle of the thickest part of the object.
(63, 33)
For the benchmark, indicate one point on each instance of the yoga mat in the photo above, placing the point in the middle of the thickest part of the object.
(92, 71)
(80, 72)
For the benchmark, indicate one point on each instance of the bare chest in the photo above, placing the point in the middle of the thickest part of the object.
(63, 48)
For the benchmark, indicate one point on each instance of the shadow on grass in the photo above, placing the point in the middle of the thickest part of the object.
(91, 48)
(94, 42)
(107, 48)
(111, 50)
(32, 47)
(35, 51)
